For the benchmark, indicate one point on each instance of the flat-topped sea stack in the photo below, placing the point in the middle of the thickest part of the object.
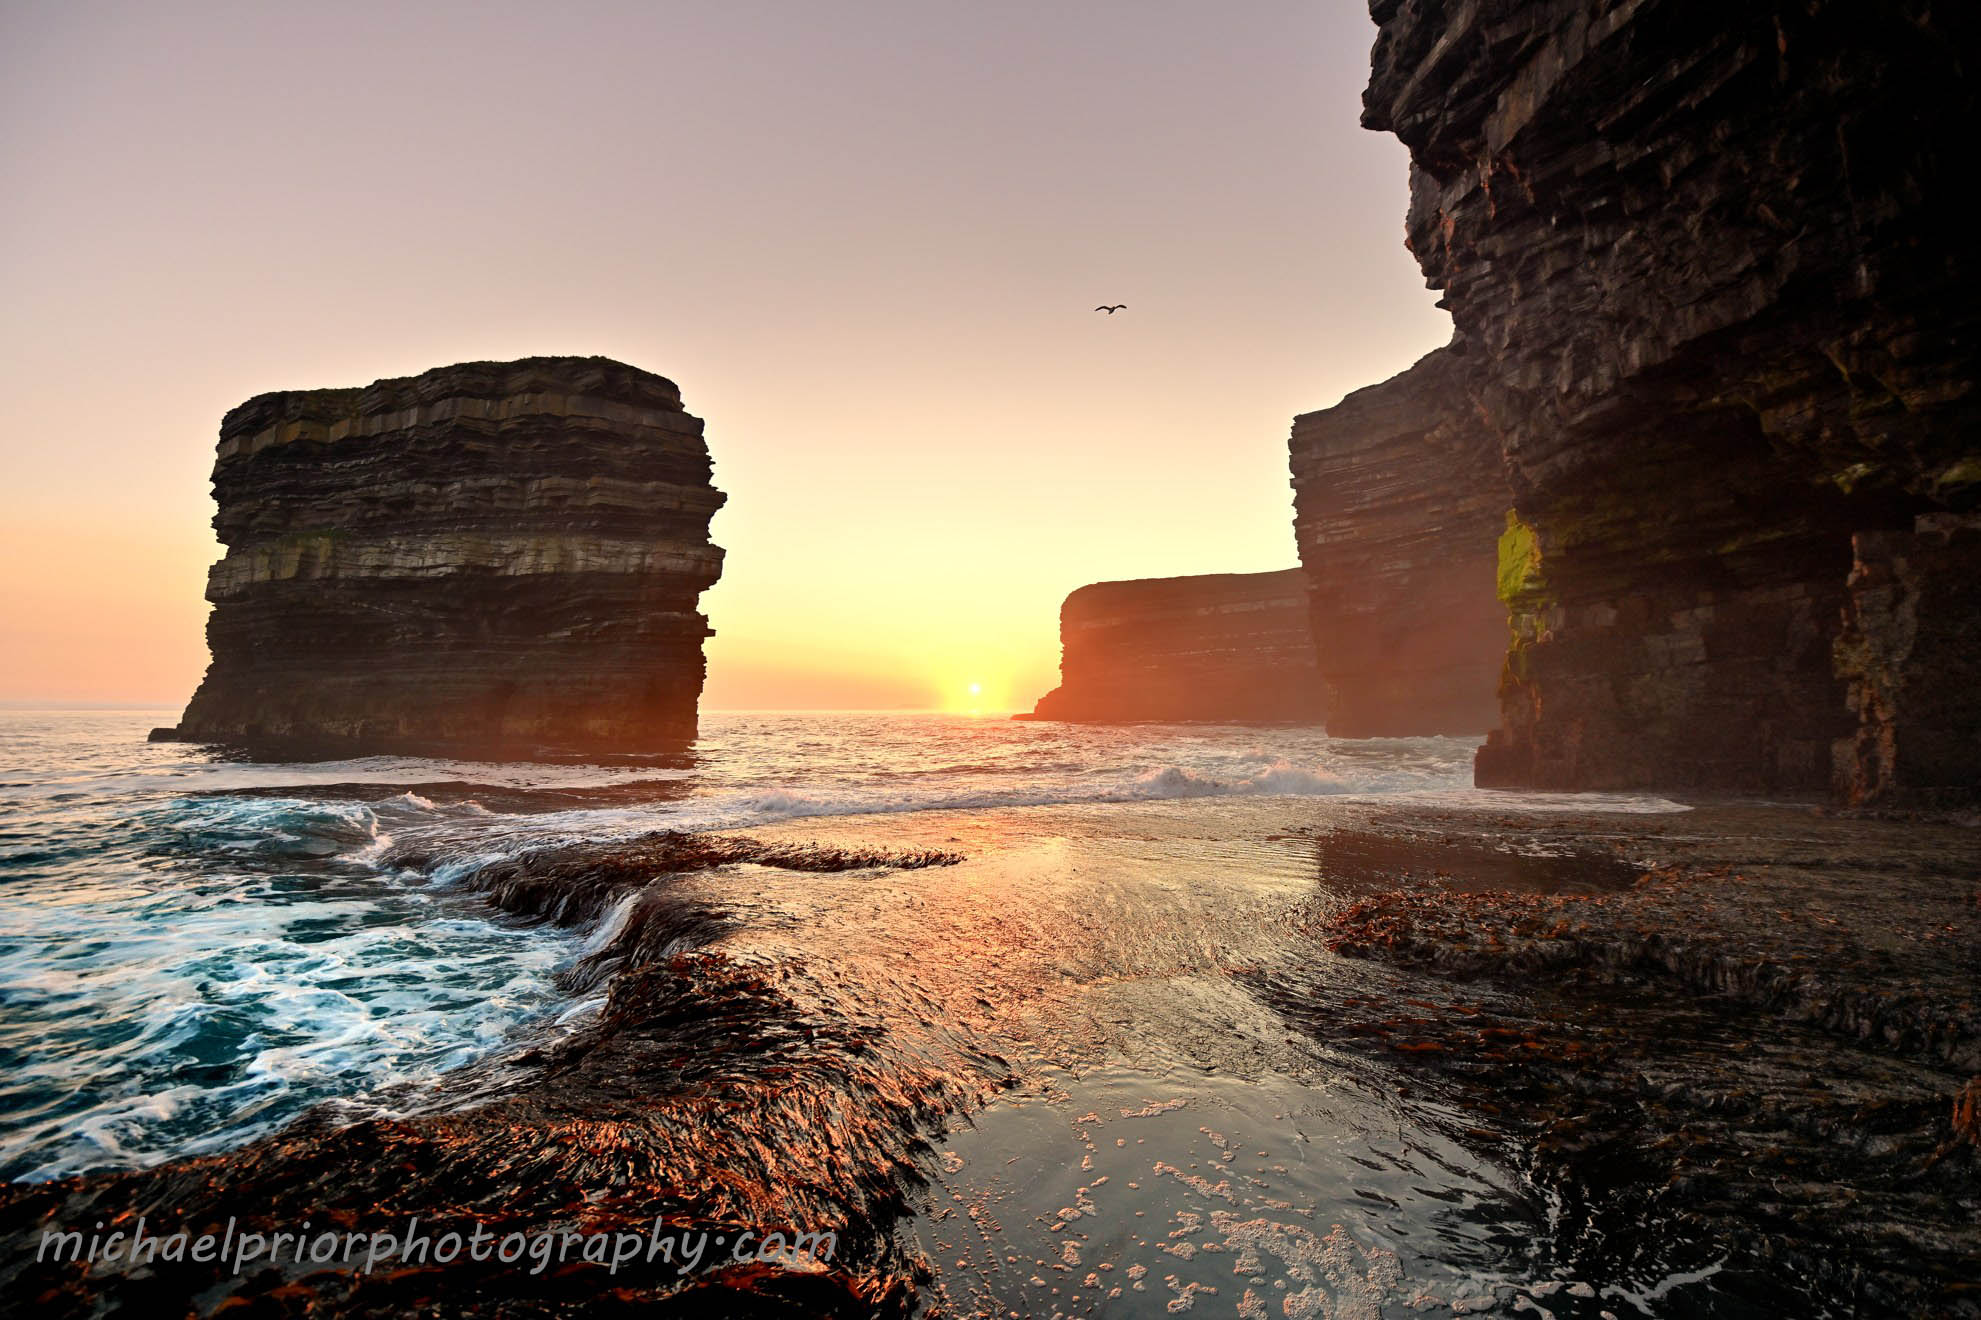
(496, 559)
(1228, 647)
(1398, 502)
(1719, 304)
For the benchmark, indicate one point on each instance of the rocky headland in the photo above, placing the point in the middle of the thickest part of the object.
(1397, 499)
(1712, 299)
(1223, 646)
(491, 559)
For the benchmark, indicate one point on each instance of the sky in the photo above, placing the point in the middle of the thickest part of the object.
(865, 238)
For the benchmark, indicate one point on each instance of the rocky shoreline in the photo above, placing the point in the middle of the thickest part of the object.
(1768, 1039)
(1732, 1047)
(710, 1093)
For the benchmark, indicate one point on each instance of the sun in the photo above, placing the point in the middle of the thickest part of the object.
(970, 691)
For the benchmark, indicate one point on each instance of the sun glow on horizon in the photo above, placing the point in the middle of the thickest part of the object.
(930, 445)
(978, 696)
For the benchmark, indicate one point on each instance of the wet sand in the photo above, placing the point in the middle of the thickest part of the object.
(1301, 1057)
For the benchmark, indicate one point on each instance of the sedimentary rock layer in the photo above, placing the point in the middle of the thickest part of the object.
(1911, 656)
(485, 559)
(1719, 307)
(1224, 646)
(1398, 500)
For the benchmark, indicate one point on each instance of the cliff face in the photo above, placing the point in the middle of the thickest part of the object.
(1713, 298)
(1911, 656)
(1225, 646)
(485, 559)
(1398, 499)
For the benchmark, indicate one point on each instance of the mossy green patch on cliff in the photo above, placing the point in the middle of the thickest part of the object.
(1519, 560)
(1966, 472)
(1850, 478)
(296, 554)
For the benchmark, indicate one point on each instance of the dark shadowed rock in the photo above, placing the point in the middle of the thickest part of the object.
(1721, 311)
(485, 559)
(1765, 1043)
(1911, 653)
(1397, 499)
(1224, 646)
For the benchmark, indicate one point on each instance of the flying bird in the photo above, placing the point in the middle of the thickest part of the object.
(1111, 310)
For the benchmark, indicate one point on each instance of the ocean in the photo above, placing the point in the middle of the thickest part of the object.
(196, 952)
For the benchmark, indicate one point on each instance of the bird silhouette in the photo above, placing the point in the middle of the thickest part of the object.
(1111, 310)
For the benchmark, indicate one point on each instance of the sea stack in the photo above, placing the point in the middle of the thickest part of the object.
(1398, 502)
(1717, 301)
(495, 559)
(1230, 647)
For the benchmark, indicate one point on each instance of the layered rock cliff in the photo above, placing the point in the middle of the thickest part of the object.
(498, 559)
(1910, 654)
(1397, 499)
(1716, 302)
(1224, 646)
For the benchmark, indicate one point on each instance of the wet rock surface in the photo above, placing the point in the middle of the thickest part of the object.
(714, 1093)
(1762, 1044)
(495, 559)
(1281, 1056)
(1223, 646)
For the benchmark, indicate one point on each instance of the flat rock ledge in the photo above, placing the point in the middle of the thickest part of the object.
(1758, 1026)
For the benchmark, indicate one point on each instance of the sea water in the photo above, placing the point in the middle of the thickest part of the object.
(196, 950)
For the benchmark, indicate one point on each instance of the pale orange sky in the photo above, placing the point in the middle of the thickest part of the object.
(865, 238)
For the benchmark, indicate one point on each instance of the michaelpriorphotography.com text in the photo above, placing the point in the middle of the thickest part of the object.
(685, 1251)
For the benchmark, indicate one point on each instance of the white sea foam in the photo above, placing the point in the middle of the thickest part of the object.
(614, 923)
